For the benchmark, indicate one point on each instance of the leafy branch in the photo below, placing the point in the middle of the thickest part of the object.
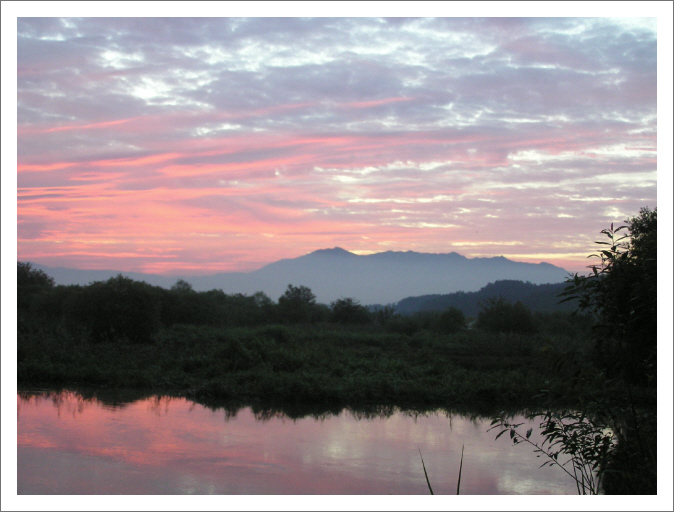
(572, 434)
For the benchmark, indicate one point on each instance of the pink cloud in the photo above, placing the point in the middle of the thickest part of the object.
(241, 156)
(376, 103)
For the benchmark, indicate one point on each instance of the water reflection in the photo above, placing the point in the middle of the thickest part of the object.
(74, 443)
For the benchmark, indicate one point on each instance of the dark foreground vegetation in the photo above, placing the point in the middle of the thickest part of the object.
(612, 433)
(300, 355)
(123, 333)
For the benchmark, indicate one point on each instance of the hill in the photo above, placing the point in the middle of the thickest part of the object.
(379, 278)
(538, 297)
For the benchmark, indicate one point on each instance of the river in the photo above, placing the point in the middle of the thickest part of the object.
(69, 444)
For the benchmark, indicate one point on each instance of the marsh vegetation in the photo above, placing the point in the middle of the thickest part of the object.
(300, 355)
(122, 333)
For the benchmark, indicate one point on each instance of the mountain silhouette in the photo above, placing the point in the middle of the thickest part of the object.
(380, 278)
(537, 297)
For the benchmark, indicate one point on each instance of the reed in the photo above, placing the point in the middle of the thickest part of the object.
(425, 473)
(458, 483)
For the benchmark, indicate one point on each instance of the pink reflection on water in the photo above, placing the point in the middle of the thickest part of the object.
(162, 445)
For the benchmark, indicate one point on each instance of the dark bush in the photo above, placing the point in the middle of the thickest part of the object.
(411, 324)
(30, 284)
(499, 315)
(564, 323)
(349, 311)
(621, 292)
(298, 305)
(451, 320)
(181, 305)
(117, 309)
(382, 314)
(52, 304)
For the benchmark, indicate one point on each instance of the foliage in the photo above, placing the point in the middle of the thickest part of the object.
(411, 324)
(621, 293)
(451, 320)
(119, 308)
(29, 277)
(297, 305)
(382, 314)
(613, 446)
(537, 297)
(499, 315)
(181, 305)
(349, 311)
(584, 441)
(30, 283)
(302, 364)
(631, 468)
(563, 323)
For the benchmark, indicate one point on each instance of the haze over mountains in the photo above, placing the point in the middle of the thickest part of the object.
(381, 278)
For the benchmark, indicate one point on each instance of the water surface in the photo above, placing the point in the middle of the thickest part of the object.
(68, 444)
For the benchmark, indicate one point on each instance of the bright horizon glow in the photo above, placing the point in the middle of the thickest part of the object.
(193, 146)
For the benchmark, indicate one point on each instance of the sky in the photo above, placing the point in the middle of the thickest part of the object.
(182, 145)
(202, 145)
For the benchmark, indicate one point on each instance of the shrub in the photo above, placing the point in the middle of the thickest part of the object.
(451, 320)
(116, 309)
(499, 315)
(349, 311)
(297, 305)
(383, 314)
(411, 324)
(30, 283)
(621, 293)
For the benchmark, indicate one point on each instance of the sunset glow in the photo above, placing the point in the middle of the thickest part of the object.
(203, 145)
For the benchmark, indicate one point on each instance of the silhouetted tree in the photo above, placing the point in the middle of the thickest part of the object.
(383, 314)
(30, 283)
(181, 305)
(117, 309)
(451, 320)
(182, 286)
(499, 315)
(349, 311)
(621, 293)
(297, 304)
(266, 309)
(27, 277)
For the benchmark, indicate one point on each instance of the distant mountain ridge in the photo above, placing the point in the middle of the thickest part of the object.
(537, 297)
(380, 278)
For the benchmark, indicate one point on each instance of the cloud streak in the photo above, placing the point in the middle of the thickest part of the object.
(215, 144)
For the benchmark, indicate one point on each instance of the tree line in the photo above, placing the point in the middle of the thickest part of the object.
(122, 308)
(537, 297)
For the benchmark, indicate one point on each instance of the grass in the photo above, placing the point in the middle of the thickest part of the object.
(458, 483)
(311, 365)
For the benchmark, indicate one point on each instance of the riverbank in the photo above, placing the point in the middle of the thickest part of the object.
(320, 365)
(319, 369)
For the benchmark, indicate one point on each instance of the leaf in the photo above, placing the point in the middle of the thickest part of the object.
(529, 432)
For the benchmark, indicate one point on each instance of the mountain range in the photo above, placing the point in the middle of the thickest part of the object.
(380, 278)
(537, 297)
